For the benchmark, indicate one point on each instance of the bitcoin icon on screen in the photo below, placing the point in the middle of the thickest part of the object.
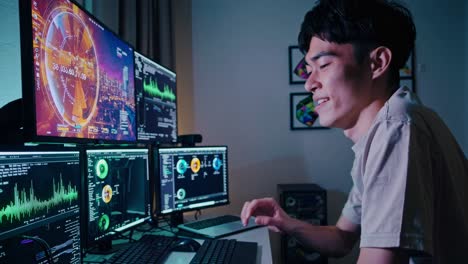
(195, 165)
(107, 193)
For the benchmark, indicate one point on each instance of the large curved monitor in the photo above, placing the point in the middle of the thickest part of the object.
(191, 178)
(155, 88)
(40, 205)
(78, 76)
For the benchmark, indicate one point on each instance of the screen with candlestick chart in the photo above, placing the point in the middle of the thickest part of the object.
(39, 207)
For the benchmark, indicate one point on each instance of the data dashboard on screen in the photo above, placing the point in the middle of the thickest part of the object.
(40, 204)
(118, 190)
(191, 178)
(155, 88)
(83, 75)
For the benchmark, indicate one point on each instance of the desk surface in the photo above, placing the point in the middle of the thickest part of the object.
(259, 235)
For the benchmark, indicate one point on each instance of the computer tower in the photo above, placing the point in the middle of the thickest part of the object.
(307, 202)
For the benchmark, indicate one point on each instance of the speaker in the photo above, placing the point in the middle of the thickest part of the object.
(307, 202)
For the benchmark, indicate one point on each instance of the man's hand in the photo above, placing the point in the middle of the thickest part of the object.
(330, 240)
(267, 212)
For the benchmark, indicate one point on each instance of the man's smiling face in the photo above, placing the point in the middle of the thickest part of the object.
(341, 86)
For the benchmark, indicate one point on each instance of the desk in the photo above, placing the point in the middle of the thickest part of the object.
(259, 235)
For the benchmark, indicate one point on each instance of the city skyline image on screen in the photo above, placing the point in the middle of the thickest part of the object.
(83, 75)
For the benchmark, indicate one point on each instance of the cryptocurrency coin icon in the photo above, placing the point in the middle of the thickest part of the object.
(107, 193)
(217, 163)
(181, 194)
(195, 165)
(103, 222)
(102, 169)
(181, 166)
(290, 202)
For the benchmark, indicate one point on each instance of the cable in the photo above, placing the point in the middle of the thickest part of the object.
(122, 235)
(166, 221)
(43, 244)
(197, 214)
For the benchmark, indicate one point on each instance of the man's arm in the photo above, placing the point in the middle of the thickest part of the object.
(330, 240)
(336, 241)
(382, 256)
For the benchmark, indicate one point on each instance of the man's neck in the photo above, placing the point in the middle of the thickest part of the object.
(365, 120)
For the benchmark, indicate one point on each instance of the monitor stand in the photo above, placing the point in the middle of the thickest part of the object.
(177, 218)
(105, 247)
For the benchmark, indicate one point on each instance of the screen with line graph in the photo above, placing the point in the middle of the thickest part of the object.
(39, 205)
(155, 88)
(118, 190)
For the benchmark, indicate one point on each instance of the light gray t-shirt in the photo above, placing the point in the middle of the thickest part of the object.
(410, 183)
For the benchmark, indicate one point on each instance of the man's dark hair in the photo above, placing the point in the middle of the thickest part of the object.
(366, 24)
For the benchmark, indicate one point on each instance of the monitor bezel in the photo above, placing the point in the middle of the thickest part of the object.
(154, 141)
(157, 181)
(28, 83)
(90, 242)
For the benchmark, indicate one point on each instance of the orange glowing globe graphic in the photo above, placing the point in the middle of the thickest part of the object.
(195, 165)
(107, 193)
(71, 67)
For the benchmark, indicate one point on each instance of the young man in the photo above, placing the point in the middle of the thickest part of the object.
(410, 176)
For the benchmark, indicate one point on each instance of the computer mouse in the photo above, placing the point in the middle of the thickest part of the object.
(186, 245)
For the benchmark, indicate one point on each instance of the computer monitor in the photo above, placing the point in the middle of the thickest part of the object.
(78, 76)
(155, 88)
(40, 206)
(191, 178)
(118, 191)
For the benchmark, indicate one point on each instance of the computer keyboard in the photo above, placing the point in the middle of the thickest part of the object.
(148, 249)
(219, 220)
(225, 251)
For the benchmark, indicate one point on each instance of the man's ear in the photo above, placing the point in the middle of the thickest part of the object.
(380, 59)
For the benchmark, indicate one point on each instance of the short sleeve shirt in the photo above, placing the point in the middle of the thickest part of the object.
(410, 178)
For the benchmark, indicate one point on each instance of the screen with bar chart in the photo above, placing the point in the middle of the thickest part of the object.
(40, 207)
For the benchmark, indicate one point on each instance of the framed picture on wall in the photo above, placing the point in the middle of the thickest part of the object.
(302, 112)
(296, 73)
